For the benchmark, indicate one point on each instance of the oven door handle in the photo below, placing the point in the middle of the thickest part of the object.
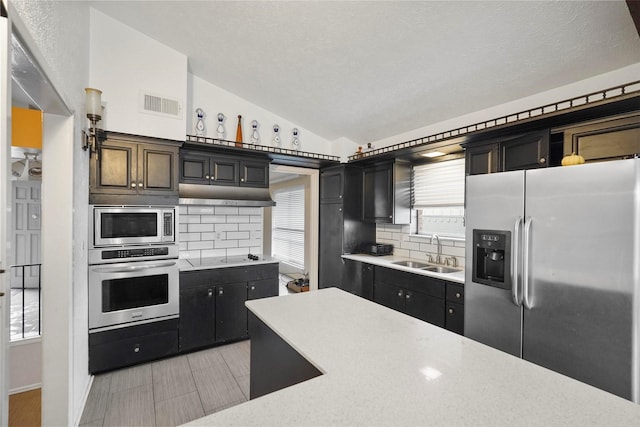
(131, 268)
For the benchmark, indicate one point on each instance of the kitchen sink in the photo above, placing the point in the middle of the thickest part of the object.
(439, 269)
(411, 264)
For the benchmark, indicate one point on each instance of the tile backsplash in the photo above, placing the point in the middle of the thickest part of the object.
(212, 231)
(410, 245)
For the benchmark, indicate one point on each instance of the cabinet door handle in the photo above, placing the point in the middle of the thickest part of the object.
(133, 185)
(458, 295)
(543, 160)
(213, 178)
(451, 310)
(206, 177)
(400, 294)
(220, 291)
(241, 179)
(210, 293)
(407, 296)
(140, 184)
(253, 288)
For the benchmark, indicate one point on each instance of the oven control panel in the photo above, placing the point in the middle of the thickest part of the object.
(134, 253)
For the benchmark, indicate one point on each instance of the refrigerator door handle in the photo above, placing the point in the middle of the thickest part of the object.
(525, 264)
(515, 251)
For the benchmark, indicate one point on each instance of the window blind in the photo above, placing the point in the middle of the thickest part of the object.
(288, 226)
(438, 184)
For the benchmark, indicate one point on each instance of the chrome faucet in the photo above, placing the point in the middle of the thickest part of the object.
(452, 261)
(439, 248)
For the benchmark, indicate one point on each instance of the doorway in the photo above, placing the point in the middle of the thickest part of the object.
(292, 236)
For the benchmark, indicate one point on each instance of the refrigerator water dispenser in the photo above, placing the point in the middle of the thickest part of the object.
(492, 258)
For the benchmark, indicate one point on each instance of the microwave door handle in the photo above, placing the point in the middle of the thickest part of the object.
(515, 251)
(133, 268)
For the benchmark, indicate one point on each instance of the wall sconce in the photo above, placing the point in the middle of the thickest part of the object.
(94, 114)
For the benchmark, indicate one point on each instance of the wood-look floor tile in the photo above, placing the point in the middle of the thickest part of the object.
(205, 359)
(169, 366)
(172, 385)
(92, 423)
(179, 410)
(127, 378)
(131, 407)
(96, 405)
(217, 387)
(243, 383)
(237, 357)
(172, 378)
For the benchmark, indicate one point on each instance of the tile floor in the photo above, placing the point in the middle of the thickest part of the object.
(172, 391)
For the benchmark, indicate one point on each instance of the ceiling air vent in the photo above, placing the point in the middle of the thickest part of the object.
(160, 106)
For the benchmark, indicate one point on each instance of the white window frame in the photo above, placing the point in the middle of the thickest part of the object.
(437, 194)
(295, 221)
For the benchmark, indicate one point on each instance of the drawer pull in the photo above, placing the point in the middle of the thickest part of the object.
(136, 348)
(451, 310)
(458, 295)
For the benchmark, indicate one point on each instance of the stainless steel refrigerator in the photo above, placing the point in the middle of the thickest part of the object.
(553, 269)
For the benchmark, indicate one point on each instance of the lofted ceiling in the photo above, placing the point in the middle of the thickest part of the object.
(370, 70)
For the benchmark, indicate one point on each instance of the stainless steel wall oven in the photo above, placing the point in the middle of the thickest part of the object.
(133, 266)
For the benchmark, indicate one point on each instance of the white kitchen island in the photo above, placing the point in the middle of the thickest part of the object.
(381, 367)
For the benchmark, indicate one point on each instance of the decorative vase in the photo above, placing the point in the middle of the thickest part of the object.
(255, 136)
(221, 133)
(239, 132)
(295, 142)
(276, 136)
(201, 129)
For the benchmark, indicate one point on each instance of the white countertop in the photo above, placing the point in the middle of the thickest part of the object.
(384, 368)
(387, 260)
(186, 264)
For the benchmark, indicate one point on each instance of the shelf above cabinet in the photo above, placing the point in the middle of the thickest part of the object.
(278, 156)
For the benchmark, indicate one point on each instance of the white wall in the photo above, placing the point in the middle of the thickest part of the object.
(213, 100)
(57, 34)
(583, 87)
(26, 365)
(125, 62)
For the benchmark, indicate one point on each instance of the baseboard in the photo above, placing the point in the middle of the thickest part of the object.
(78, 417)
(25, 388)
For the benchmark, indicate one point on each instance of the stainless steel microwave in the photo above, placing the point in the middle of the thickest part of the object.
(132, 225)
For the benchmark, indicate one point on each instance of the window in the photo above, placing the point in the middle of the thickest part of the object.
(288, 226)
(438, 197)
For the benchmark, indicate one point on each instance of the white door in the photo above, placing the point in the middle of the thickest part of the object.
(5, 161)
(25, 228)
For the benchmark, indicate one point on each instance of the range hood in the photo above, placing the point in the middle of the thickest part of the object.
(224, 195)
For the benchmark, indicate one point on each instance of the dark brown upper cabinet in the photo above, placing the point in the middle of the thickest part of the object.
(134, 169)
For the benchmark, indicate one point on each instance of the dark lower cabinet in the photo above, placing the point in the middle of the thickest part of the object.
(455, 317)
(262, 288)
(274, 363)
(212, 309)
(389, 295)
(454, 310)
(424, 307)
(131, 345)
(231, 314)
(197, 317)
(436, 301)
(357, 278)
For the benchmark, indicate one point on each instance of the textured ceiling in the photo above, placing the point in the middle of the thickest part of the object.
(369, 70)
